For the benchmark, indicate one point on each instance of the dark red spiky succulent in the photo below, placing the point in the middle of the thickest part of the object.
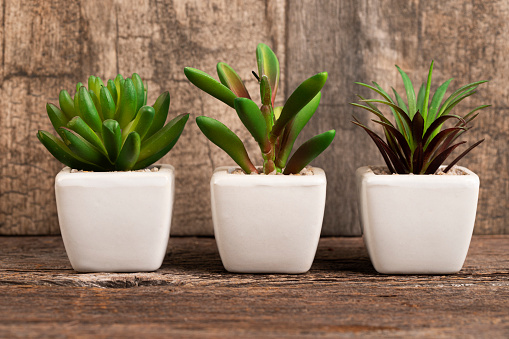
(417, 143)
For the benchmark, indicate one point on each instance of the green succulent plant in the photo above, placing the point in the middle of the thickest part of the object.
(417, 143)
(275, 129)
(111, 127)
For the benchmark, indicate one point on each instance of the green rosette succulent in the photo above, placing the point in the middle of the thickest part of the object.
(275, 129)
(110, 127)
(418, 142)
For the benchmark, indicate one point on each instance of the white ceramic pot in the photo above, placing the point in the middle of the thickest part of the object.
(115, 221)
(417, 224)
(267, 223)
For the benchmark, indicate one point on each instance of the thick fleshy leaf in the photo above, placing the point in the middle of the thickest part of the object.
(277, 112)
(459, 157)
(298, 99)
(141, 123)
(228, 141)
(107, 104)
(210, 85)
(97, 104)
(129, 153)
(253, 120)
(63, 154)
(293, 128)
(83, 149)
(57, 118)
(126, 110)
(140, 90)
(163, 137)
(161, 108)
(79, 126)
(268, 65)
(265, 90)
(66, 104)
(231, 79)
(112, 137)
(308, 151)
(409, 88)
(88, 112)
(113, 91)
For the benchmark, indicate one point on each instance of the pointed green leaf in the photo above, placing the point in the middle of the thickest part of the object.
(107, 104)
(420, 97)
(409, 88)
(253, 120)
(459, 92)
(63, 154)
(126, 109)
(293, 129)
(231, 79)
(210, 85)
(268, 65)
(424, 106)
(228, 141)
(97, 104)
(161, 108)
(163, 137)
(88, 110)
(57, 118)
(141, 123)
(83, 149)
(436, 101)
(66, 104)
(112, 137)
(298, 99)
(79, 126)
(113, 91)
(308, 151)
(140, 90)
(129, 153)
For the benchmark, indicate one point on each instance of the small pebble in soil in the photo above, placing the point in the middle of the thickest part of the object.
(455, 170)
(305, 171)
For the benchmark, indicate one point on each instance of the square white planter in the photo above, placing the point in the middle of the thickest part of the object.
(115, 221)
(417, 224)
(267, 223)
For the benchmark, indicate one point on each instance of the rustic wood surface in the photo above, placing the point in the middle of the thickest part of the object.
(193, 296)
(50, 45)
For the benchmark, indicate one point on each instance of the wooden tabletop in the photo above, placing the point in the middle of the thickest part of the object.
(193, 296)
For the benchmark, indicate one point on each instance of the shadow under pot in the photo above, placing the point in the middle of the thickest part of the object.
(417, 224)
(267, 223)
(115, 221)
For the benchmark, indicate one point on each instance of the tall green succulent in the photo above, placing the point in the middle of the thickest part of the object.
(416, 143)
(275, 129)
(111, 127)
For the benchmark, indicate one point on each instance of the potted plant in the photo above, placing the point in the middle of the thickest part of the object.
(417, 215)
(266, 219)
(114, 208)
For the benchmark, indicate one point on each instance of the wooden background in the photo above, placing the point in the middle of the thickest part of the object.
(50, 45)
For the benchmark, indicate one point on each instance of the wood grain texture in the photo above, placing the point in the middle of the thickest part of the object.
(362, 41)
(50, 45)
(191, 296)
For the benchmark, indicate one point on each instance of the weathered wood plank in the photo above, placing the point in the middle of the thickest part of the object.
(362, 41)
(192, 295)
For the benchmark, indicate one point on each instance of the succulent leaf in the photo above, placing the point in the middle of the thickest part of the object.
(79, 126)
(66, 104)
(161, 108)
(88, 112)
(228, 141)
(112, 137)
(107, 104)
(57, 118)
(231, 79)
(298, 99)
(112, 88)
(62, 153)
(129, 153)
(252, 118)
(126, 110)
(294, 127)
(163, 137)
(140, 91)
(141, 123)
(268, 65)
(308, 151)
(210, 85)
(83, 149)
